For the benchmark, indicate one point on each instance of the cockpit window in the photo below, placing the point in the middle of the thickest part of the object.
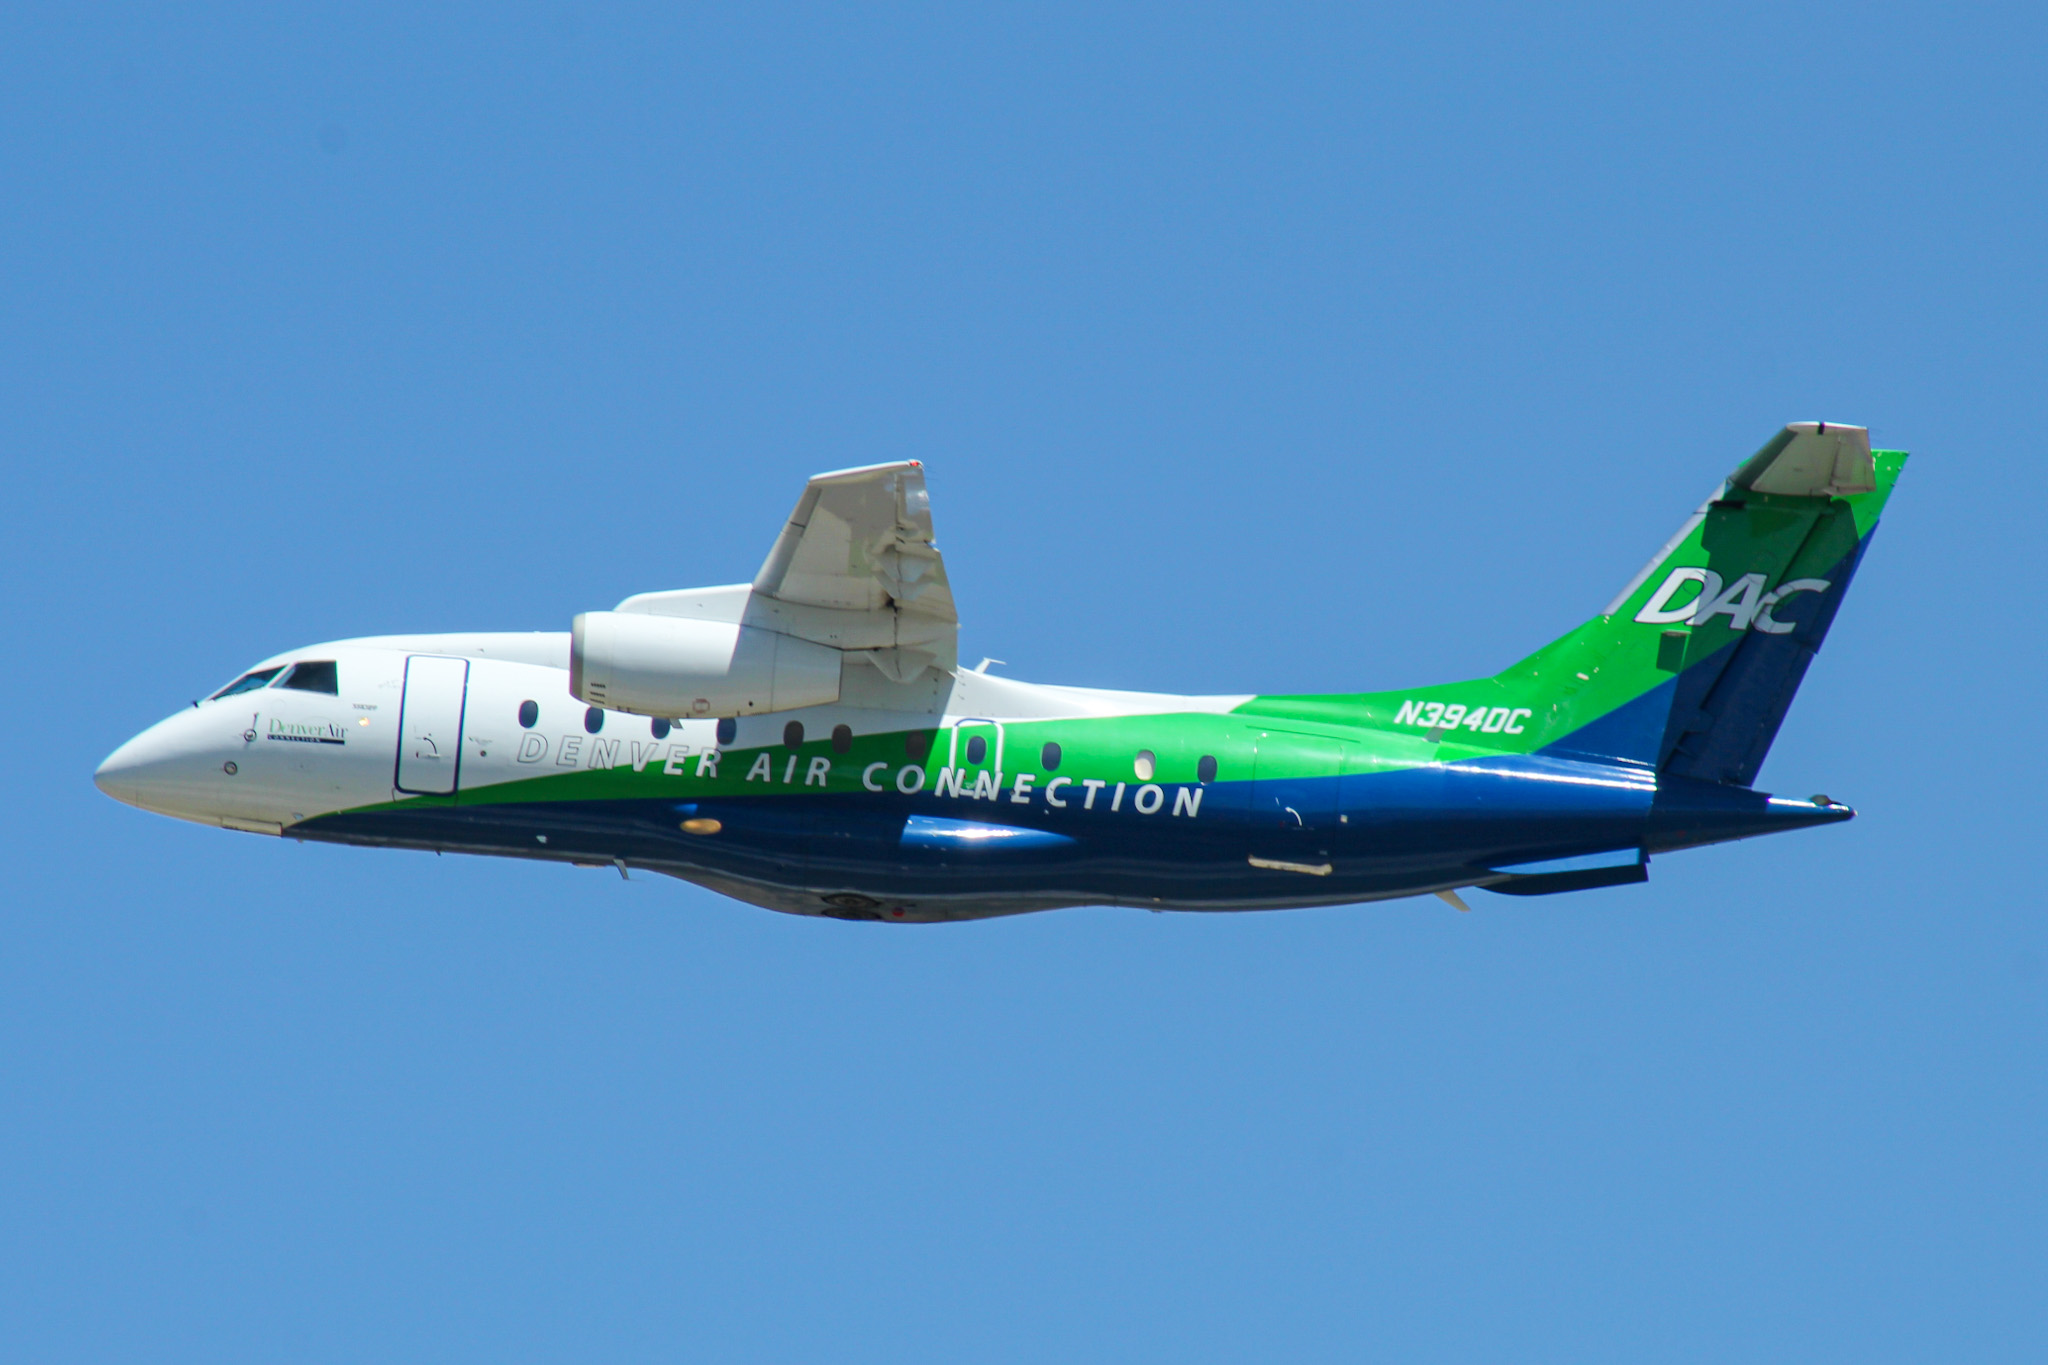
(248, 682)
(313, 675)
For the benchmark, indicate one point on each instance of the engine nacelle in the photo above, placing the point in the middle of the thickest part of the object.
(671, 666)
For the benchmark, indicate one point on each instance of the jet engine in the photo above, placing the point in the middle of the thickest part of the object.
(682, 667)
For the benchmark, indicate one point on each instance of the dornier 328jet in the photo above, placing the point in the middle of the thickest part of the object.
(808, 741)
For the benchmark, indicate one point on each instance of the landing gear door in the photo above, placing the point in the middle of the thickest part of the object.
(430, 725)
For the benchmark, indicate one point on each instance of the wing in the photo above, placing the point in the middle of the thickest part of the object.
(860, 540)
(854, 569)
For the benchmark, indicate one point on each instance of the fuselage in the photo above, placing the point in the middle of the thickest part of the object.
(963, 796)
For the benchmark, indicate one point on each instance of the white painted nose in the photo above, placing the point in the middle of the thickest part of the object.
(170, 768)
(139, 769)
(112, 775)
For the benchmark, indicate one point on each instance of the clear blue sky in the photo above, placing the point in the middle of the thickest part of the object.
(1247, 351)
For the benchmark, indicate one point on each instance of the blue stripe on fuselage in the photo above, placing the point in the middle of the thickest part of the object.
(1381, 834)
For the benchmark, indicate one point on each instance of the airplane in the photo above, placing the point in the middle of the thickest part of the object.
(808, 741)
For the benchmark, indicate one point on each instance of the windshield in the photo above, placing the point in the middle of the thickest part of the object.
(248, 682)
(313, 675)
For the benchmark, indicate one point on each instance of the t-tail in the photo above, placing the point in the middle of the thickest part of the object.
(1690, 670)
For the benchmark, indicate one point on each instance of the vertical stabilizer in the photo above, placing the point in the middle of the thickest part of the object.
(1688, 671)
(1691, 669)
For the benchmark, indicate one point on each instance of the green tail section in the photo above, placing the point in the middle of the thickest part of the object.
(1691, 668)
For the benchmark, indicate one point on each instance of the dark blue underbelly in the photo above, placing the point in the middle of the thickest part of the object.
(1377, 834)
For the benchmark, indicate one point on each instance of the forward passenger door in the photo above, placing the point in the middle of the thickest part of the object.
(430, 725)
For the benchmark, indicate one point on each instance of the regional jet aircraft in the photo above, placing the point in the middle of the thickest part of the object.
(809, 742)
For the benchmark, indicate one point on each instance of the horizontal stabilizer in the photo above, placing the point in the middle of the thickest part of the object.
(1812, 460)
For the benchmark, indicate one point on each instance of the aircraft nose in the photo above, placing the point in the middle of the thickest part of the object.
(128, 772)
(111, 776)
(160, 769)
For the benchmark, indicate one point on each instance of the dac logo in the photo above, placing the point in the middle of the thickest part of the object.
(1744, 602)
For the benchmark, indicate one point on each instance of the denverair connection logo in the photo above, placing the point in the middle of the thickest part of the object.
(1744, 602)
(307, 731)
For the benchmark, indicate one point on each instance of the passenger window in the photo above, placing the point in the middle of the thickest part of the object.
(917, 744)
(313, 676)
(529, 714)
(728, 730)
(1205, 771)
(1144, 765)
(1049, 758)
(593, 719)
(793, 735)
(659, 727)
(842, 738)
(977, 749)
(248, 682)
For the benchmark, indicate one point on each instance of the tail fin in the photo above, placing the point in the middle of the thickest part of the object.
(1690, 670)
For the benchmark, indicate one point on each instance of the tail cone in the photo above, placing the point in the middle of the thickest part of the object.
(1688, 812)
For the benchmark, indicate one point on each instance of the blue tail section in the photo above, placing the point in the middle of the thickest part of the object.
(1726, 709)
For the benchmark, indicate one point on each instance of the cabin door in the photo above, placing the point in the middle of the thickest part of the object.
(430, 725)
(977, 756)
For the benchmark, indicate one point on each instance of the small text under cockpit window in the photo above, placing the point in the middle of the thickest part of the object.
(248, 682)
(313, 675)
